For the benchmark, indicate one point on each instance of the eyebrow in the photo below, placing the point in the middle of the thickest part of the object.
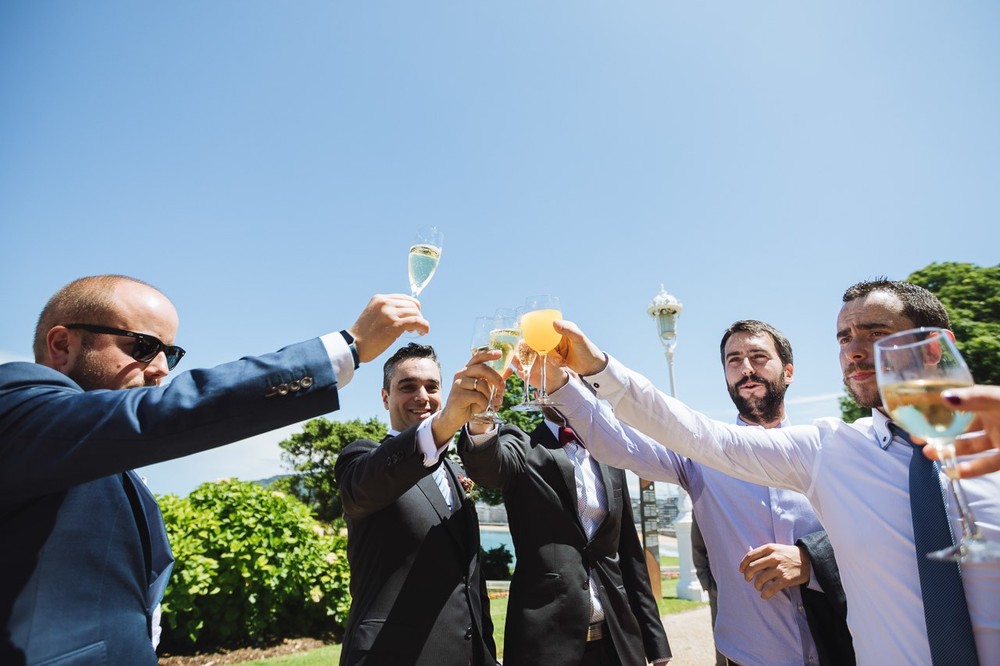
(755, 350)
(871, 326)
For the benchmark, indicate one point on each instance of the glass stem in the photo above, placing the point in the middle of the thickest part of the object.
(949, 466)
(542, 393)
(527, 386)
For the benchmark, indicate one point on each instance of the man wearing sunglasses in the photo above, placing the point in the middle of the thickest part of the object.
(85, 559)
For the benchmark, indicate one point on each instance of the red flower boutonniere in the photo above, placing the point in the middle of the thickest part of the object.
(467, 484)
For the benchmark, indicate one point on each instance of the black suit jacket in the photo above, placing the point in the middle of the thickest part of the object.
(418, 596)
(826, 611)
(548, 611)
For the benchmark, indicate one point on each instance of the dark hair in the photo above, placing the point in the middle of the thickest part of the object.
(411, 350)
(87, 299)
(755, 327)
(919, 305)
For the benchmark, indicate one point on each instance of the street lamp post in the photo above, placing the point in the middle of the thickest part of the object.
(664, 309)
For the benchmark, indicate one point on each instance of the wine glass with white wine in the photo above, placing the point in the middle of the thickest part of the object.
(496, 332)
(912, 368)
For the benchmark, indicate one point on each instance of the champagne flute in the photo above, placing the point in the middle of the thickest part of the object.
(540, 335)
(496, 332)
(425, 252)
(912, 368)
(526, 359)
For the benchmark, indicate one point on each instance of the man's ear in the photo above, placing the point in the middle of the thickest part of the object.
(385, 398)
(60, 348)
(789, 373)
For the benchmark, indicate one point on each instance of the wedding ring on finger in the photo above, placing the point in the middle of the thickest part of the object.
(475, 384)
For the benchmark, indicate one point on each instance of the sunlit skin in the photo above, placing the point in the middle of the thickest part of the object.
(414, 392)
(860, 324)
(104, 362)
(756, 378)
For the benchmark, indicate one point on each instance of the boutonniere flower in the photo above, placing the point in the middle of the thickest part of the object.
(467, 484)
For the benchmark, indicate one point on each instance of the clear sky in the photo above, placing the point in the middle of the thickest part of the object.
(266, 164)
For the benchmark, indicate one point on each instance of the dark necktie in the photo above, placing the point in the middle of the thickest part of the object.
(946, 613)
(566, 435)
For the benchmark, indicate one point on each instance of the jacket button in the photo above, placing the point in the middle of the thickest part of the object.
(282, 389)
(294, 386)
(586, 584)
(270, 392)
(468, 633)
(306, 382)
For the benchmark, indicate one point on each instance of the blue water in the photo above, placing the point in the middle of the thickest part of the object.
(491, 539)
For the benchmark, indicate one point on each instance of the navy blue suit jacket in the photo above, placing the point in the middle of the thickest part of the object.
(75, 567)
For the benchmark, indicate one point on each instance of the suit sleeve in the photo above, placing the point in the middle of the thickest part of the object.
(53, 435)
(371, 476)
(636, 578)
(497, 460)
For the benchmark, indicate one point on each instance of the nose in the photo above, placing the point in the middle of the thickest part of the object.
(157, 368)
(746, 367)
(857, 349)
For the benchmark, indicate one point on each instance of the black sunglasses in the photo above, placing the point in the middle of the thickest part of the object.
(146, 346)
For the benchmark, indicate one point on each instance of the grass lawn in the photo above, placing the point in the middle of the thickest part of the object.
(668, 603)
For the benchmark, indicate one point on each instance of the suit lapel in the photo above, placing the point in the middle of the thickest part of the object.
(565, 470)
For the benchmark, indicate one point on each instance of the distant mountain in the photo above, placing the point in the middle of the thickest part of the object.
(269, 480)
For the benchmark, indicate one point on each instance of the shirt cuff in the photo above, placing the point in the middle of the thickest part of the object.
(340, 357)
(483, 438)
(610, 383)
(425, 443)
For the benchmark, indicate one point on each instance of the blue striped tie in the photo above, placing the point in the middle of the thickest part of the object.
(946, 613)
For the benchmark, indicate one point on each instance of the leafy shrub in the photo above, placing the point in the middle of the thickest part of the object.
(253, 566)
(496, 563)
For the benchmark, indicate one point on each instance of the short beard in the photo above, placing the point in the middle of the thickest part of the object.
(872, 399)
(763, 410)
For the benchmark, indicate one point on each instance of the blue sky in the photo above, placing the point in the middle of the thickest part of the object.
(266, 164)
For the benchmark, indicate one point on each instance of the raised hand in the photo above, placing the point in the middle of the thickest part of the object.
(384, 319)
(577, 352)
(470, 393)
(984, 435)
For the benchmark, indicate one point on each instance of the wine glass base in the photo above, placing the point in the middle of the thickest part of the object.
(525, 407)
(968, 551)
(543, 401)
(486, 417)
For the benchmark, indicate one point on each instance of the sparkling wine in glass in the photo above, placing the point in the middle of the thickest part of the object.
(536, 326)
(526, 359)
(912, 368)
(497, 332)
(425, 252)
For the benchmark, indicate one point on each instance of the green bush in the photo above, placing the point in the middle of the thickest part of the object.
(253, 566)
(496, 563)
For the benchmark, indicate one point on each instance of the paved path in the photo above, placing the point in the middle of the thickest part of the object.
(690, 635)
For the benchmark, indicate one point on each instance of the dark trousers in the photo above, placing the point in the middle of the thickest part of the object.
(600, 653)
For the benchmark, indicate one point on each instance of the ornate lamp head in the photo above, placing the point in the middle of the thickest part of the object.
(664, 308)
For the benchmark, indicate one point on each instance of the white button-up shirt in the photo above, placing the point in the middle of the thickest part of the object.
(856, 479)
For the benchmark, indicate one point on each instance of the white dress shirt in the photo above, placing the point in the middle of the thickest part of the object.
(734, 516)
(591, 504)
(857, 480)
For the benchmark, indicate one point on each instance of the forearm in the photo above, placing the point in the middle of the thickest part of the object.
(777, 457)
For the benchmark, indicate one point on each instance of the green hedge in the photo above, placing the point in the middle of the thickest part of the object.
(253, 566)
